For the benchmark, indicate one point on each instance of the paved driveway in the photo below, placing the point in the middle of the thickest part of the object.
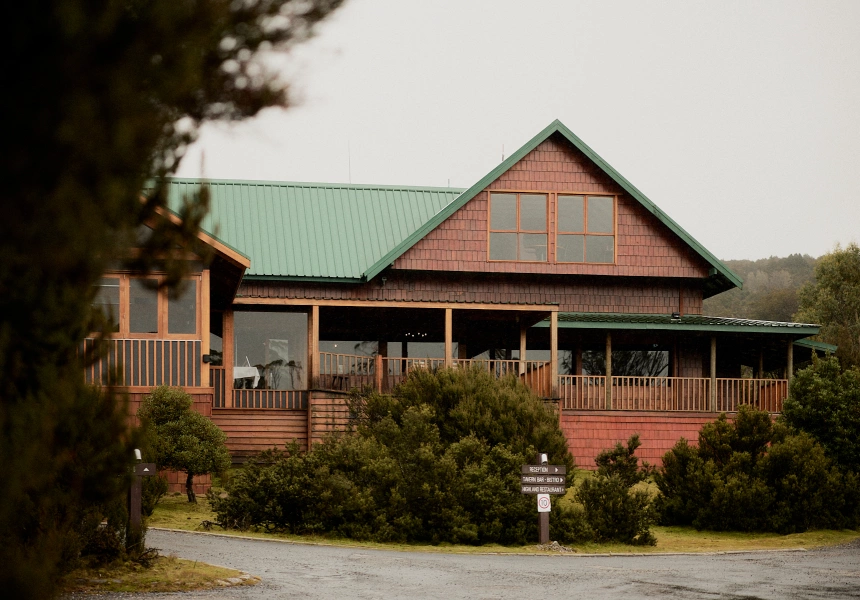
(311, 572)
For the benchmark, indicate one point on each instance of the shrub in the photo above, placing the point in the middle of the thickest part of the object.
(824, 401)
(184, 440)
(754, 475)
(439, 462)
(614, 511)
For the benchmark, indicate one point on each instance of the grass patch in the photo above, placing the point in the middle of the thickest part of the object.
(175, 512)
(167, 574)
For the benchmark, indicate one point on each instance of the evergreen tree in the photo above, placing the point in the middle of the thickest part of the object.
(102, 97)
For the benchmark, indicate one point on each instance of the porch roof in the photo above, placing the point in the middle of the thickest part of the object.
(684, 323)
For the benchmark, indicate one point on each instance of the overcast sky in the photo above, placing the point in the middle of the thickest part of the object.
(741, 120)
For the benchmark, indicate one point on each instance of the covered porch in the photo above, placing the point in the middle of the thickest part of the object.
(582, 361)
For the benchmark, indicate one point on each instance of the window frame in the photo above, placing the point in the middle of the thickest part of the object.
(162, 308)
(546, 231)
(585, 233)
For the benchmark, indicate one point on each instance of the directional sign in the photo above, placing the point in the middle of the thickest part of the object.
(543, 503)
(542, 489)
(145, 469)
(542, 479)
(544, 470)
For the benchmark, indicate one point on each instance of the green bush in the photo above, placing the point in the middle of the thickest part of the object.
(754, 475)
(824, 401)
(439, 462)
(614, 511)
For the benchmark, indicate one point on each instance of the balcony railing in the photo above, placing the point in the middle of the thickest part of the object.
(147, 362)
(690, 394)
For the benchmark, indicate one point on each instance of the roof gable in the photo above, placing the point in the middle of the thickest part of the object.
(721, 277)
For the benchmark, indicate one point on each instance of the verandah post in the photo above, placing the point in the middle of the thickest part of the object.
(553, 353)
(789, 370)
(608, 370)
(449, 338)
(713, 373)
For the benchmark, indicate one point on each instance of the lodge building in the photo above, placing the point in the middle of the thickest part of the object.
(552, 267)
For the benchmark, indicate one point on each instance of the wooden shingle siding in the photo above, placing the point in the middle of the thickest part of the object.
(589, 432)
(645, 247)
(646, 296)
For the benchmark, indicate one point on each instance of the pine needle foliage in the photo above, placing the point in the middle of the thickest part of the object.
(106, 96)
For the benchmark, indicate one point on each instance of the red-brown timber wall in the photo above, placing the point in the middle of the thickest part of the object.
(250, 431)
(583, 294)
(645, 246)
(589, 432)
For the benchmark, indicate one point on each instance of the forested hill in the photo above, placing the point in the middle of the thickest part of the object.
(770, 288)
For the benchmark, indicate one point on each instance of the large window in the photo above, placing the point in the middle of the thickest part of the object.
(518, 227)
(586, 229)
(135, 307)
(270, 350)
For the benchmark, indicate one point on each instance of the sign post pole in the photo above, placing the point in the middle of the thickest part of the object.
(133, 536)
(543, 479)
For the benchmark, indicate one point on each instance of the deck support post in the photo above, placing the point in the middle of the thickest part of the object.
(789, 368)
(313, 347)
(449, 338)
(553, 353)
(713, 373)
(761, 363)
(228, 359)
(205, 327)
(608, 370)
(523, 330)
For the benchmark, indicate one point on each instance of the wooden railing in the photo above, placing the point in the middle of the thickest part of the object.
(148, 363)
(660, 393)
(270, 399)
(763, 394)
(394, 370)
(690, 394)
(218, 380)
(346, 371)
(584, 392)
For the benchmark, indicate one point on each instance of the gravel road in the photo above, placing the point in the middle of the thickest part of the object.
(311, 572)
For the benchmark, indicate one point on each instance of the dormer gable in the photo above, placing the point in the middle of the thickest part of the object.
(594, 223)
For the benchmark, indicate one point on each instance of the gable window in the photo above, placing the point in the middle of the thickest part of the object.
(518, 227)
(586, 229)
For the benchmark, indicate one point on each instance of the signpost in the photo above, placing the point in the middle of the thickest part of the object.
(134, 499)
(542, 480)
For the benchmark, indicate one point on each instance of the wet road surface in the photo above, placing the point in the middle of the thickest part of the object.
(317, 572)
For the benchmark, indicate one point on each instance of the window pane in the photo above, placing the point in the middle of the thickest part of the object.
(532, 212)
(107, 301)
(143, 306)
(571, 248)
(599, 248)
(182, 311)
(570, 213)
(600, 214)
(533, 246)
(503, 211)
(503, 246)
(270, 350)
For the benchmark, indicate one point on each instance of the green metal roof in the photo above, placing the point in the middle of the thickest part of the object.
(721, 278)
(318, 231)
(685, 323)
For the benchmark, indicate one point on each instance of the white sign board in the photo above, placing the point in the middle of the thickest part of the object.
(543, 503)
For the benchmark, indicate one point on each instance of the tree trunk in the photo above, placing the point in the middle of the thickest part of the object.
(189, 488)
